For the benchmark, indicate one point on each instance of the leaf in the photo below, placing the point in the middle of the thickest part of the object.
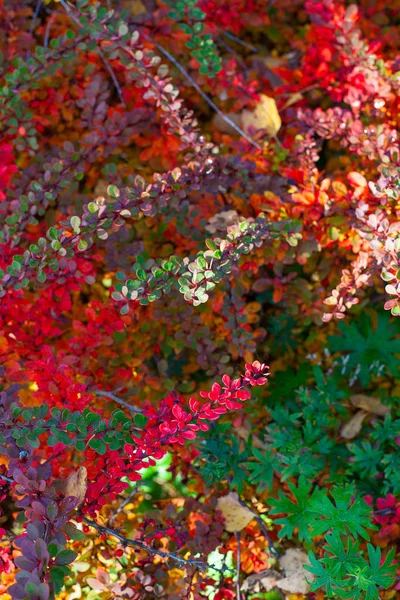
(370, 404)
(353, 427)
(98, 445)
(300, 513)
(292, 562)
(323, 576)
(65, 557)
(76, 484)
(264, 116)
(368, 344)
(262, 471)
(236, 516)
(343, 515)
(264, 579)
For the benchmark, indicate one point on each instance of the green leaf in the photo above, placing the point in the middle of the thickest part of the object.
(65, 557)
(262, 471)
(299, 512)
(140, 420)
(344, 514)
(98, 445)
(323, 578)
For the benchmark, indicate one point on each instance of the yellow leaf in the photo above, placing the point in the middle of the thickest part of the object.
(236, 516)
(264, 116)
(135, 7)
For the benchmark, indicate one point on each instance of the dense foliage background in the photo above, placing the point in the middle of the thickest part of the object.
(189, 192)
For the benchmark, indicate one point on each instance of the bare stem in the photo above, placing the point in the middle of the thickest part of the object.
(112, 396)
(198, 564)
(238, 561)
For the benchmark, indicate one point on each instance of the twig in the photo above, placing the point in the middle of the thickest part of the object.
(232, 37)
(103, 58)
(112, 396)
(48, 27)
(35, 15)
(202, 94)
(231, 51)
(198, 564)
(259, 520)
(125, 502)
(238, 561)
(112, 75)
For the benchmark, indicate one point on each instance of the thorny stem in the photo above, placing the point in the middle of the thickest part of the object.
(198, 564)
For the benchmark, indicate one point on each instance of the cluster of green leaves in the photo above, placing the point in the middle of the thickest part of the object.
(369, 344)
(345, 573)
(72, 428)
(190, 18)
(313, 513)
(196, 277)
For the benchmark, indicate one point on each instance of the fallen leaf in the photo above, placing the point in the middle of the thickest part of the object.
(294, 581)
(264, 116)
(236, 516)
(223, 126)
(76, 484)
(263, 581)
(370, 403)
(353, 427)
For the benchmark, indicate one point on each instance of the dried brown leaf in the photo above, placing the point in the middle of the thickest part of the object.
(224, 127)
(263, 581)
(353, 427)
(76, 484)
(294, 581)
(371, 404)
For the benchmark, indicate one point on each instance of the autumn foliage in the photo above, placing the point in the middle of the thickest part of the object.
(191, 191)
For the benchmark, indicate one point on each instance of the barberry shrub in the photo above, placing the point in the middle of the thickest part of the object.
(188, 191)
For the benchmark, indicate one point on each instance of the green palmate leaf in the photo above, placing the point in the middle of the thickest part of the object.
(323, 577)
(339, 558)
(348, 575)
(368, 344)
(346, 513)
(261, 471)
(300, 514)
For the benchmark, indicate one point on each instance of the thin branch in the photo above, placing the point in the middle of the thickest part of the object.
(103, 58)
(198, 564)
(35, 15)
(259, 520)
(232, 37)
(238, 561)
(48, 27)
(112, 396)
(232, 52)
(126, 501)
(202, 94)
(112, 75)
